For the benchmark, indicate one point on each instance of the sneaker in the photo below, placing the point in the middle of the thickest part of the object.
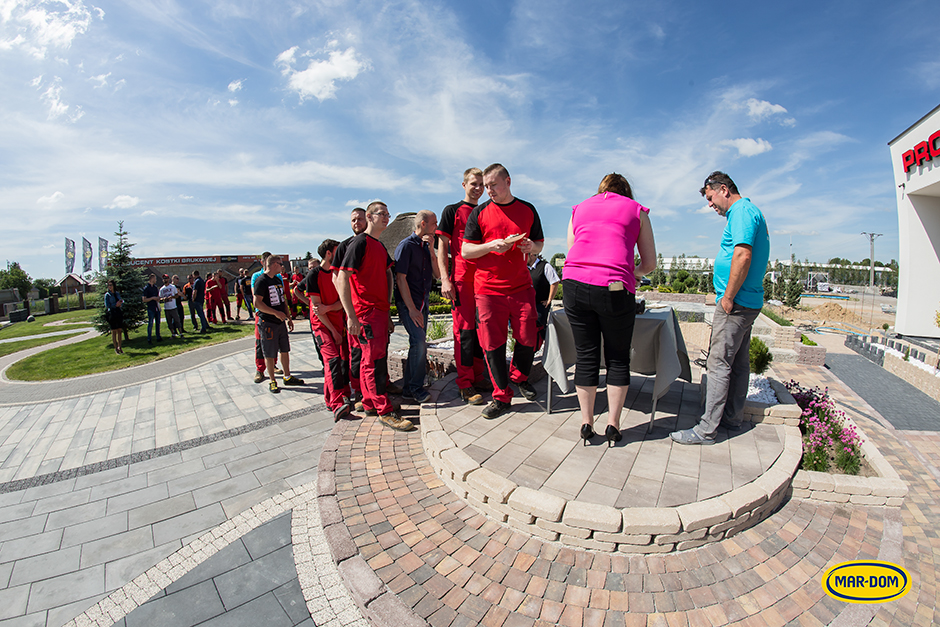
(359, 406)
(471, 396)
(396, 422)
(278, 371)
(527, 390)
(292, 380)
(340, 412)
(422, 396)
(496, 409)
(259, 376)
(391, 388)
(689, 436)
(273, 387)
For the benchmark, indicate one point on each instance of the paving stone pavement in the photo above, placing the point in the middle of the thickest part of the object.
(902, 404)
(93, 544)
(544, 451)
(450, 565)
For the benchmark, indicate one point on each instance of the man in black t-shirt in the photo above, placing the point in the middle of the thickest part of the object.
(272, 306)
(152, 298)
(199, 300)
(243, 291)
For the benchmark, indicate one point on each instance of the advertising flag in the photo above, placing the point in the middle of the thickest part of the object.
(86, 255)
(69, 255)
(102, 254)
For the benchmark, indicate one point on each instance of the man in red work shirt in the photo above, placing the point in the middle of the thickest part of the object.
(365, 281)
(457, 285)
(499, 234)
(329, 330)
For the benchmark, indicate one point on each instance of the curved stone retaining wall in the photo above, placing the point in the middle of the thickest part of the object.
(602, 527)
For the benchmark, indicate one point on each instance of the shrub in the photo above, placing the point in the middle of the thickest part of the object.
(826, 436)
(760, 356)
(770, 313)
(808, 342)
(645, 288)
(436, 329)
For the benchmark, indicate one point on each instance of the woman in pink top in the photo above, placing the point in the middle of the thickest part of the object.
(599, 293)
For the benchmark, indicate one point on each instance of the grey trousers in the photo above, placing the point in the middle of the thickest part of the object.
(729, 366)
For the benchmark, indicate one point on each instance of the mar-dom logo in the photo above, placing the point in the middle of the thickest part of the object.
(868, 581)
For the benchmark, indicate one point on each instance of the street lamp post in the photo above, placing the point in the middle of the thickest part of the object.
(871, 259)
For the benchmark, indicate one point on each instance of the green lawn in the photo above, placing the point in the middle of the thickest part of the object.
(97, 354)
(14, 347)
(22, 329)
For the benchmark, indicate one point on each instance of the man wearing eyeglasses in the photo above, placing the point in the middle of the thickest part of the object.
(364, 286)
(738, 279)
(274, 313)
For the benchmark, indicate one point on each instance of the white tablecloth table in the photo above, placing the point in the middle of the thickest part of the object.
(658, 349)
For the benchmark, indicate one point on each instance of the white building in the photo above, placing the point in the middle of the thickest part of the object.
(915, 157)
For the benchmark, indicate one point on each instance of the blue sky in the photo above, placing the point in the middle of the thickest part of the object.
(236, 127)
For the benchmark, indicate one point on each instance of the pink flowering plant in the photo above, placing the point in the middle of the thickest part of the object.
(827, 437)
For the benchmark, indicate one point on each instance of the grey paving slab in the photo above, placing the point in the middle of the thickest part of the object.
(185, 608)
(66, 589)
(899, 402)
(239, 587)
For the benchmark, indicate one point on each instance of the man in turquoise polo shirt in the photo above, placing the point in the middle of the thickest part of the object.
(738, 279)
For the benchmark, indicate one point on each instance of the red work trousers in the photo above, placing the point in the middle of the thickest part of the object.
(373, 369)
(259, 357)
(497, 313)
(335, 357)
(468, 356)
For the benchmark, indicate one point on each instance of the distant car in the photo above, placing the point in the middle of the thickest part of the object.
(644, 281)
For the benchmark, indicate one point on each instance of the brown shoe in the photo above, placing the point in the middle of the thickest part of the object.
(471, 396)
(396, 422)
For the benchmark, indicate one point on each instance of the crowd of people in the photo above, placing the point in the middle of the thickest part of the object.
(487, 259)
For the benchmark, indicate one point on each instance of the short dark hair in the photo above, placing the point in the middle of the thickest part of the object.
(499, 168)
(195, 272)
(326, 246)
(716, 179)
(616, 183)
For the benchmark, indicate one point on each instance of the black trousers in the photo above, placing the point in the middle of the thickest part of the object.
(595, 312)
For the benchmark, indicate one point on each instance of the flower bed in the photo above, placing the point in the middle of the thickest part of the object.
(828, 438)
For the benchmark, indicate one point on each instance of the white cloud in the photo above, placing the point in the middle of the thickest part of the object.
(320, 77)
(123, 202)
(233, 102)
(55, 197)
(236, 85)
(41, 25)
(761, 109)
(101, 79)
(748, 147)
(148, 213)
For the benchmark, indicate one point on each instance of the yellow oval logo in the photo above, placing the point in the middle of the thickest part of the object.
(868, 581)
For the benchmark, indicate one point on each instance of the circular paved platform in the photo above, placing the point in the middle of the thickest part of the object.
(450, 565)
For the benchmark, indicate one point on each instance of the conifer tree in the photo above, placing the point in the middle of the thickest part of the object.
(129, 282)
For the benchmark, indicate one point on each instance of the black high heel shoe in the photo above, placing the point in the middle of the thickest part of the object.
(613, 435)
(587, 432)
